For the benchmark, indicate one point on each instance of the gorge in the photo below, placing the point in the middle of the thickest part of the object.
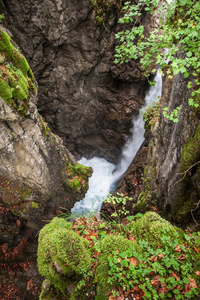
(74, 104)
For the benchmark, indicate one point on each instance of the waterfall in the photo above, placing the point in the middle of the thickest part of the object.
(106, 175)
(133, 144)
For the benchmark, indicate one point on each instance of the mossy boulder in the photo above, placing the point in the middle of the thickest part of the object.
(62, 254)
(109, 244)
(151, 227)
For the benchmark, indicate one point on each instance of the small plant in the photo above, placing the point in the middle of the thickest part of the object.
(119, 204)
(173, 116)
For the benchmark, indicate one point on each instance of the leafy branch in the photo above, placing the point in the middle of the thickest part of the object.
(177, 30)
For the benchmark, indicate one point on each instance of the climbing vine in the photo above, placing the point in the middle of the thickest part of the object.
(177, 26)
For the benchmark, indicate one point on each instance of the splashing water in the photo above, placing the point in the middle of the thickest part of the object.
(106, 175)
(99, 186)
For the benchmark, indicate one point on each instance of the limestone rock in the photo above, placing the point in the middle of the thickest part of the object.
(85, 99)
(38, 176)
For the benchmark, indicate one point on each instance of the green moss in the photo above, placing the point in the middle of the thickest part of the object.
(78, 176)
(151, 227)
(21, 63)
(34, 204)
(5, 45)
(147, 196)
(191, 151)
(188, 195)
(16, 76)
(5, 91)
(45, 129)
(62, 254)
(108, 245)
(151, 115)
(103, 9)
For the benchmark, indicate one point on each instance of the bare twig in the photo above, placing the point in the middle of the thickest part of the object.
(185, 172)
(197, 205)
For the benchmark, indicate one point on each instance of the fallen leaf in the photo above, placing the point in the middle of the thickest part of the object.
(160, 256)
(96, 254)
(159, 246)
(134, 261)
(153, 259)
(78, 232)
(163, 290)
(175, 276)
(87, 237)
(196, 249)
(193, 283)
(132, 239)
(181, 257)
(197, 273)
(155, 281)
(178, 249)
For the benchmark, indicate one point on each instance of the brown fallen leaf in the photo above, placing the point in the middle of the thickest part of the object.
(155, 281)
(153, 259)
(196, 249)
(175, 276)
(160, 256)
(181, 257)
(193, 283)
(132, 239)
(133, 260)
(197, 273)
(178, 249)
(163, 290)
(96, 254)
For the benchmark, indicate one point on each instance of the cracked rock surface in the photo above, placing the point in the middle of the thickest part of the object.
(84, 97)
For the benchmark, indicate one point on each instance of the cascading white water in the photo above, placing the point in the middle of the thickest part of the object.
(99, 186)
(133, 144)
(104, 178)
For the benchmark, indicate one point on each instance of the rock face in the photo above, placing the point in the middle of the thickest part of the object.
(38, 175)
(171, 177)
(85, 99)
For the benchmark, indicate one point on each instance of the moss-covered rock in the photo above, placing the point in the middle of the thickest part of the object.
(78, 176)
(191, 151)
(62, 254)
(16, 77)
(119, 259)
(151, 227)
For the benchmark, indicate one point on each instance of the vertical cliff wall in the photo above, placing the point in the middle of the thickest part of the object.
(168, 162)
(84, 98)
(38, 175)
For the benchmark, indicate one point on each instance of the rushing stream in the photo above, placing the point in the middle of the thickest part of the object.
(106, 175)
